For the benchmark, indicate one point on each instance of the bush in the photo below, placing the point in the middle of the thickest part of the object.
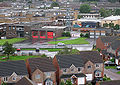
(43, 55)
(66, 34)
(87, 35)
(81, 35)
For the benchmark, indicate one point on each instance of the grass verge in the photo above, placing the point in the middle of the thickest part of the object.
(75, 41)
(110, 67)
(12, 41)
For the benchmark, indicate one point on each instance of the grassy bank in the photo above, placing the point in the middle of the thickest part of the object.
(75, 41)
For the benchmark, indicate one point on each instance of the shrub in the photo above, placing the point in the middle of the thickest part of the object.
(87, 35)
(81, 35)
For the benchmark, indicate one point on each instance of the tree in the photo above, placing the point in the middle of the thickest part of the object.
(62, 83)
(54, 4)
(85, 8)
(111, 25)
(8, 49)
(81, 35)
(116, 27)
(87, 35)
(117, 11)
(66, 34)
(105, 25)
(103, 12)
(68, 51)
(43, 55)
(68, 82)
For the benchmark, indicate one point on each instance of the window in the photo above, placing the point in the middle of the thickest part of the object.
(13, 27)
(48, 74)
(106, 44)
(89, 67)
(14, 78)
(79, 69)
(97, 65)
(37, 76)
(72, 69)
(64, 70)
(5, 79)
(9, 27)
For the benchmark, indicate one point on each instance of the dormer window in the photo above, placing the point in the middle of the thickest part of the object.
(37, 76)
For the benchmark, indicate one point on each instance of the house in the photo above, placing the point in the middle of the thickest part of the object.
(113, 82)
(25, 81)
(96, 33)
(104, 41)
(80, 68)
(114, 49)
(41, 71)
(12, 71)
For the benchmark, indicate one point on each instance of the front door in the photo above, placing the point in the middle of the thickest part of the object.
(48, 82)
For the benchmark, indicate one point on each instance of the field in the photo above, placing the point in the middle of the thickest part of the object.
(75, 41)
(12, 41)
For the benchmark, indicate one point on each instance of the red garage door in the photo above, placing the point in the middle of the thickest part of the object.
(50, 35)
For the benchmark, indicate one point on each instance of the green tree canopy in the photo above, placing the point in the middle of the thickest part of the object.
(8, 49)
(85, 8)
(55, 4)
(117, 11)
(116, 27)
(111, 25)
(68, 82)
(105, 25)
(105, 13)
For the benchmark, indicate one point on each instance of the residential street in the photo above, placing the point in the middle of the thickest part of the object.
(112, 75)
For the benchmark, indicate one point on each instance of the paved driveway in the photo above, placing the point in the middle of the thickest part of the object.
(112, 75)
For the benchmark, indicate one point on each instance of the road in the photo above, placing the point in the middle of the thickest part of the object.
(111, 75)
(79, 47)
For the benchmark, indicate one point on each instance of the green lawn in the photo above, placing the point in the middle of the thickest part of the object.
(49, 49)
(110, 67)
(75, 41)
(13, 40)
(59, 38)
(118, 72)
(17, 57)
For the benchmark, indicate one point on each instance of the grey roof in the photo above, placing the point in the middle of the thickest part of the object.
(43, 64)
(70, 75)
(9, 67)
(93, 56)
(108, 39)
(25, 81)
(115, 44)
(113, 82)
(65, 61)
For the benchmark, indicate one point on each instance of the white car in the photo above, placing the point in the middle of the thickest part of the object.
(118, 67)
(61, 44)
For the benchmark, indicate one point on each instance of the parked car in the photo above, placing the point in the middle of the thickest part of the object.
(109, 63)
(61, 44)
(118, 67)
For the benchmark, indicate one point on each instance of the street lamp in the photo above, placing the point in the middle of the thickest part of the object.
(54, 38)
